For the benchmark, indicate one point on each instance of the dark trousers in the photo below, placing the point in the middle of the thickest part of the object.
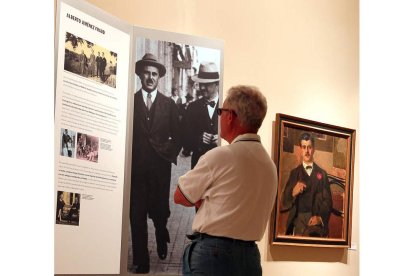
(150, 190)
(215, 256)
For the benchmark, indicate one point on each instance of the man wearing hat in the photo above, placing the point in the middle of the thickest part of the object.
(155, 146)
(202, 119)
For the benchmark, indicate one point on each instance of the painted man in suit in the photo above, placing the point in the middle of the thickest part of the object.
(308, 195)
(155, 146)
(201, 120)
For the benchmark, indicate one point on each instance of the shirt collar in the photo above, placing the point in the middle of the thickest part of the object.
(304, 165)
(247, 137)
(153, 93)
(215, 99)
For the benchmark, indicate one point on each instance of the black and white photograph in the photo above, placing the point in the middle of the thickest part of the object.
(68, 138)
(90, 60)
(87, 147)
(67, 208)
(175, 122)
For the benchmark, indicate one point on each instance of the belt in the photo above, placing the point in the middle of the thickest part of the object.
(198, 235)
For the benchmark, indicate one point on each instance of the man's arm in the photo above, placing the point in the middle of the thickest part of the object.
(288, 198)
(175, 128)
(322, 204)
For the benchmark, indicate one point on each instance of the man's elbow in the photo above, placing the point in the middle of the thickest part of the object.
(179, 198)
(176, 197)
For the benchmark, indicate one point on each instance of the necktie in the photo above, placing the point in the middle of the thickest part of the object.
(149, 101)
(211, 103)
(309, 167)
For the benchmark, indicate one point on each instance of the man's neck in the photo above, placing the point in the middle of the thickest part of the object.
(213, 97)
(237, 132)
(310, 163)
(143, 90)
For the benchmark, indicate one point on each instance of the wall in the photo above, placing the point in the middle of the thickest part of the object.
(303, 55)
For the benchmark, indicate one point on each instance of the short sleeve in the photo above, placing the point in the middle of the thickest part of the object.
(195, 182)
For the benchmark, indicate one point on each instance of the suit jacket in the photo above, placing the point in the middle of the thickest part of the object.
(156, 133)
(316, 198)
(103, 63)
(197, 122)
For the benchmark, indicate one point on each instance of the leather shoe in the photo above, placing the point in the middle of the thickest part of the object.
(141, 269)
(162, 250)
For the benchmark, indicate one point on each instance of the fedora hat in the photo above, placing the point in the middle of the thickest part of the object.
(149, 60)
(207, 73)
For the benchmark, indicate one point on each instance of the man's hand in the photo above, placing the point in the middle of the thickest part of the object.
(315, 220)
(209, 138)
(298, 189)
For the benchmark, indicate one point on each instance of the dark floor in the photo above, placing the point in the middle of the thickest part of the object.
(179, 224)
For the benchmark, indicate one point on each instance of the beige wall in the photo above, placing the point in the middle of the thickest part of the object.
(303, 55)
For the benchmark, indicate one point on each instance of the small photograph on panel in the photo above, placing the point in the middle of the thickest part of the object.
(89, 60)
(67, 208)
(87, 147)
(67, 142)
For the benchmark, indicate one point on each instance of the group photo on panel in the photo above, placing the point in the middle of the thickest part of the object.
(90, 60)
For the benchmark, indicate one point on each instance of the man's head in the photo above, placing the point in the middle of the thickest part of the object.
(208, 80)
(306, 143)
(246, 106)
(174, 91)
(103, 53)
(99, 53)
(149, 71)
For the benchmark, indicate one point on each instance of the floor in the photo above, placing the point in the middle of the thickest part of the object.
(179, 224)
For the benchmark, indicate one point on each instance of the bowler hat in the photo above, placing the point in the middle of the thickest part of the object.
(149, 60)
(207, 73)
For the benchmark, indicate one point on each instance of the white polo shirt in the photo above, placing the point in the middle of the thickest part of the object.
(238, 183)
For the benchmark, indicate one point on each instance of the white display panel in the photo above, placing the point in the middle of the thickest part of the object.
(90, 156)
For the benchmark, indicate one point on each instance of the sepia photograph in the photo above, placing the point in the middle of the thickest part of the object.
(68, 138)
(177, 93)
(87, 147)
(89, 60)
(315, 168)
(68, 208)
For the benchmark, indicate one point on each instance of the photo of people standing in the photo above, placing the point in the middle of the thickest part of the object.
(80, 59)
(164, 95)
(67, 142)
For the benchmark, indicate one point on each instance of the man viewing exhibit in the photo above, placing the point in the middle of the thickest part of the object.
(235, 188)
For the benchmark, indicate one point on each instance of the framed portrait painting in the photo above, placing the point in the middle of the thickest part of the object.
(315, 163)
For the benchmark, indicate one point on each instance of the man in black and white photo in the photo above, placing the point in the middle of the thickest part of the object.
(103, 66)
(156, 144)
(201, 122)
(66, 144)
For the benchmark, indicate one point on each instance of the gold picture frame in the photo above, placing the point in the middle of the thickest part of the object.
(326, 195)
